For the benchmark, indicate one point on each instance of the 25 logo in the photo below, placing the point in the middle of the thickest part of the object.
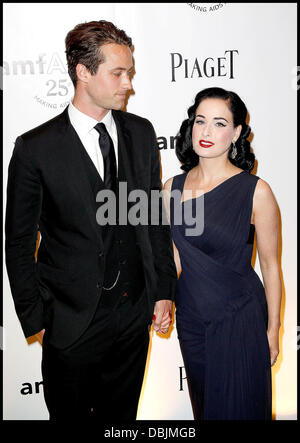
(58, 87)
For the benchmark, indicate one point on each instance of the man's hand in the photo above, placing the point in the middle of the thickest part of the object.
(162, 316)
(40, 336)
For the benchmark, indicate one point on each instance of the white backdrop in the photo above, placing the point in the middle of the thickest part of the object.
(247, 48)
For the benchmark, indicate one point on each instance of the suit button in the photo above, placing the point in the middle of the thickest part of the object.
(101, 254)
(122, 262)
(98, 285)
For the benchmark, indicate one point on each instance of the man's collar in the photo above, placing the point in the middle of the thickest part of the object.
(84, 123)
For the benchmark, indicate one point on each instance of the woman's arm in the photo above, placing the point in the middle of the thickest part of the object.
(166, 193)
(177, 260)
(266, 220)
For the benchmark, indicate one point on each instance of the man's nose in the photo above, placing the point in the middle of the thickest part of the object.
(126, 83)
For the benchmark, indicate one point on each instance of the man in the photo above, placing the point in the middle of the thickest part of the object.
(91, 293)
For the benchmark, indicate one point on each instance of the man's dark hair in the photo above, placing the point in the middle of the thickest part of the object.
(83, 45)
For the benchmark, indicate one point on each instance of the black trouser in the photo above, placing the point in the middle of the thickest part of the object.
(101, 375)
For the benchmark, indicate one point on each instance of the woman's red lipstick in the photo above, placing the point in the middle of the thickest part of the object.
(205, 144)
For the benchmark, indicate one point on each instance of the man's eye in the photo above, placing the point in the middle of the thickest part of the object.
(117, 74)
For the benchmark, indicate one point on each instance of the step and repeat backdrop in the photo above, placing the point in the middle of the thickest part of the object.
(179, 49)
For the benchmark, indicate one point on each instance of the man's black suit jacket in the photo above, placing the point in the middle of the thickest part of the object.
(48, 190)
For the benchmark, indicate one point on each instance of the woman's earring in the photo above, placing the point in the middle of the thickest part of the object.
(234, 151)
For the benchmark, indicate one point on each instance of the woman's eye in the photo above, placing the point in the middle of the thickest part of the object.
(200, 122)
(220, 124)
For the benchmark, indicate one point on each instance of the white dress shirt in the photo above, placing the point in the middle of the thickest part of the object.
(84, 125)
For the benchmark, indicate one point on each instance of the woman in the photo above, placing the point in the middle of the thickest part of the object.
(227, 322)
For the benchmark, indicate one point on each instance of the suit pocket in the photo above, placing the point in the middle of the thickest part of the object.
(47, 272)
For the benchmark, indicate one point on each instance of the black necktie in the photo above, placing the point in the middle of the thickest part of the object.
(109, 157)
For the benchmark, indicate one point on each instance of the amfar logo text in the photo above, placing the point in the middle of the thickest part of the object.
(209, 67)
(29, 66)
(164, 142)
(31, 388)
(206, 7)
(34, 388)
(52, 84)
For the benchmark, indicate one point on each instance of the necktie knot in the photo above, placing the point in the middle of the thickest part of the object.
(101, 128)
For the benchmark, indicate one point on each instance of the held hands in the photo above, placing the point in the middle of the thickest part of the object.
(162, 316)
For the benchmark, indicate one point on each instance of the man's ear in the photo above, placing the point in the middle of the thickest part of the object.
(83, 74)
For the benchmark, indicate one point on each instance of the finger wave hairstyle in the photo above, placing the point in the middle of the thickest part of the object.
(83, 44)
(183, 144)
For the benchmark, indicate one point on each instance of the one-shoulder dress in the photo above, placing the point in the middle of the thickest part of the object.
(221, 308)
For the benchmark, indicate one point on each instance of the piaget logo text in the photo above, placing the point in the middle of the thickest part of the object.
(184, 68)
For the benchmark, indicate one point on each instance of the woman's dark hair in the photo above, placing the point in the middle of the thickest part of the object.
(83, 44)
(184, 147)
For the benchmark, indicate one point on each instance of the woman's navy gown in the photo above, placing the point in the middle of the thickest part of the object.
(221, 309)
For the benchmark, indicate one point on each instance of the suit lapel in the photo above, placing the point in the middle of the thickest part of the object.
(132, 163)
(125, 149)
(70, 151)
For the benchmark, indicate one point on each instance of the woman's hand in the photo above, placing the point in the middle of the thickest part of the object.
(166, 323)
(273, 338)
(162, 316)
